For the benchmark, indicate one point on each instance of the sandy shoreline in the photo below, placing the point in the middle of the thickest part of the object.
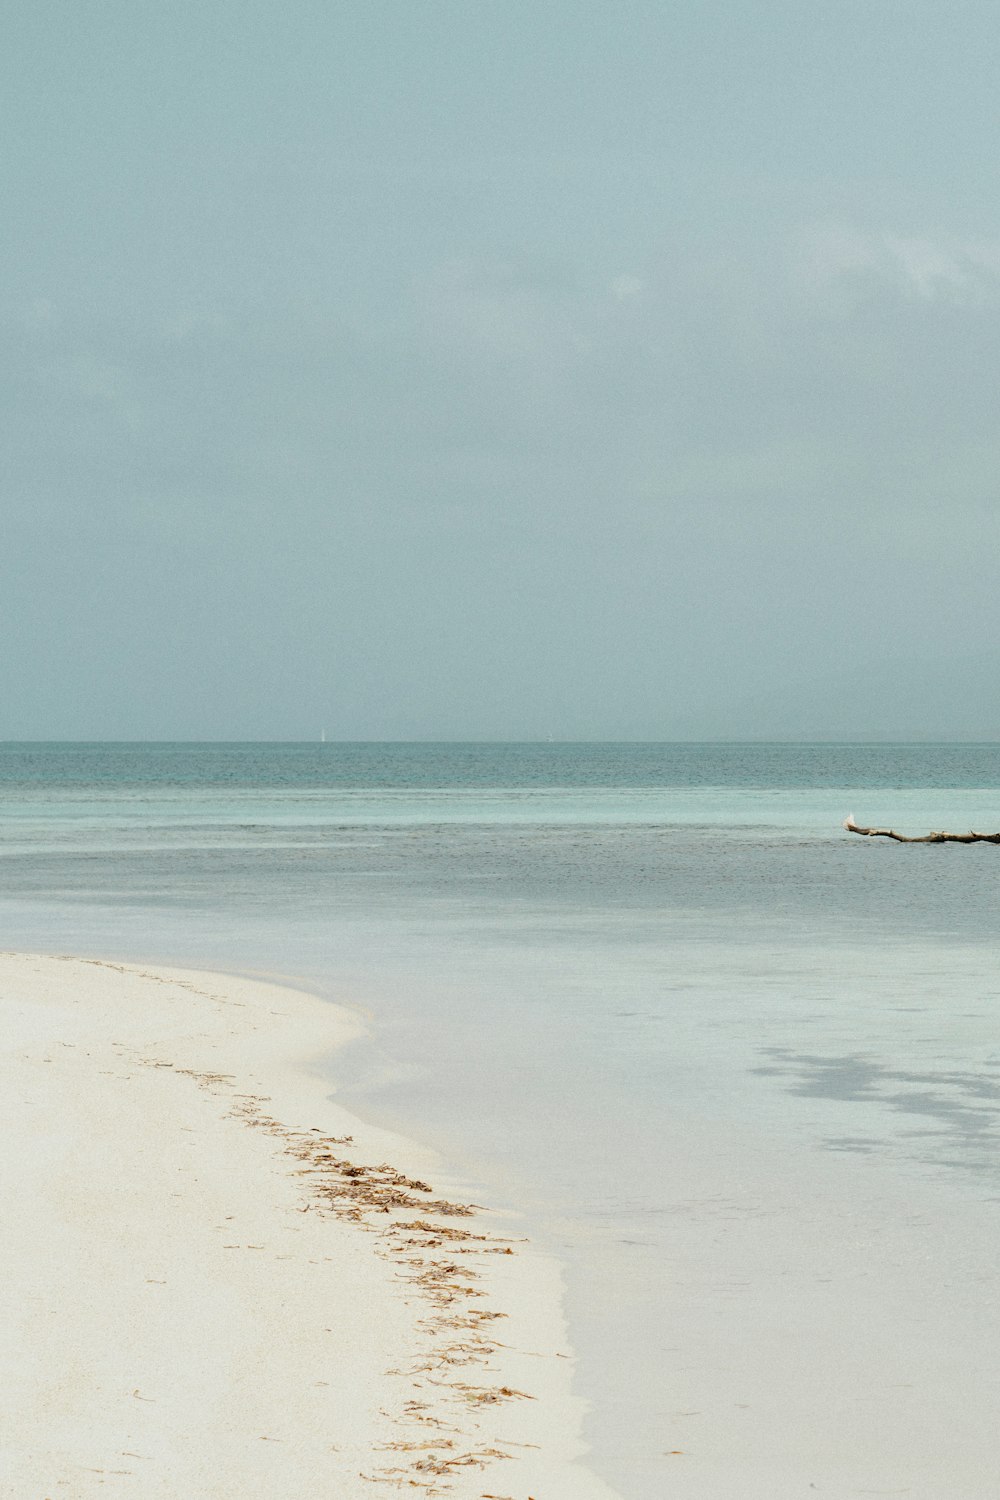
(218, 1283)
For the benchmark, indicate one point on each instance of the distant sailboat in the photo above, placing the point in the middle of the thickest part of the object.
(322, 737)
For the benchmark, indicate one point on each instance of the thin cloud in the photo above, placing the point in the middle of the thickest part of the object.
(921, 268)
(625, 287)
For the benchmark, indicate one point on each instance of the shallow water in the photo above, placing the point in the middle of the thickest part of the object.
(741, 1068)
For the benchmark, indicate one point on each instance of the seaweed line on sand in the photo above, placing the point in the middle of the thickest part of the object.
(437, 1260)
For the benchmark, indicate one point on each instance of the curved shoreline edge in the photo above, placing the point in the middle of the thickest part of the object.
(218, 1282)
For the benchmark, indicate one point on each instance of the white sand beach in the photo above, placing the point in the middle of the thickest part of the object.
(218, 1283)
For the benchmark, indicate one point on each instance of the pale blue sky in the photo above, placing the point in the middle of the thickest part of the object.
(499, 370)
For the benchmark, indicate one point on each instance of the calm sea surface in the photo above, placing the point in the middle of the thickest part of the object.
(741, 1069)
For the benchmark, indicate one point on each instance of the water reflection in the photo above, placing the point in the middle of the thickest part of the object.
(963, 1105)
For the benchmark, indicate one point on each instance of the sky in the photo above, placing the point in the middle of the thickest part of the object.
(453, 369)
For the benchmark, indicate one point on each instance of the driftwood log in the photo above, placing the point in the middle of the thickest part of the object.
(926, 838)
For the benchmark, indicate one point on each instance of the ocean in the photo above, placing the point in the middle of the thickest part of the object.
(738, 1069)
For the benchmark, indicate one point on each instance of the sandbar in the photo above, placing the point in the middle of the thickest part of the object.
(218, 1283)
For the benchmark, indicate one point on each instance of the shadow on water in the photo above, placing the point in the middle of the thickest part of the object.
(962, 1107)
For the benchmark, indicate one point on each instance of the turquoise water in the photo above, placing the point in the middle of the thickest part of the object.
(654, 995)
